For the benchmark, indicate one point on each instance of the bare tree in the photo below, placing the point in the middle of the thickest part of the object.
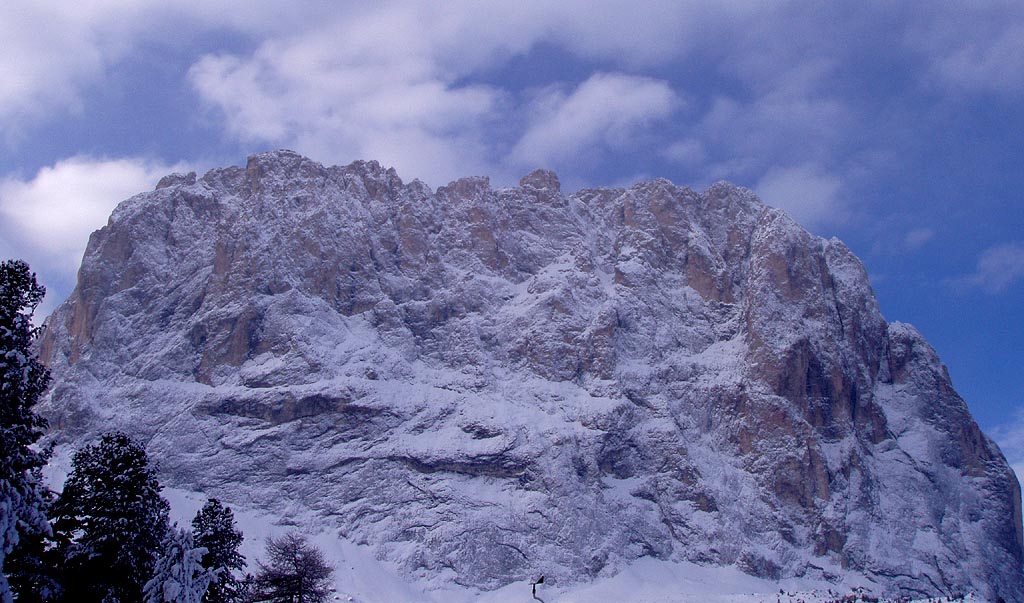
(294, 572)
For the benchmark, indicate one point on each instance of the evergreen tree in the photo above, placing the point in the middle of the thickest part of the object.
(22, 380)
(179, 576)
(295, 572)
(32, 567)
(214, 529)
(111, 522)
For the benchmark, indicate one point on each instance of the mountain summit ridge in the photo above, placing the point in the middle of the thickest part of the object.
(485, 383)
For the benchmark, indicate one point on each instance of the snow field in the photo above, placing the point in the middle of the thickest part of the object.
(361, 578)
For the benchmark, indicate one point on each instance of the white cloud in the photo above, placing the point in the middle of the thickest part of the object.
(395, 80)
(606, 111)
(807, 192)
(53, 51)
(49, 217)
(48, 52)
(973, 47)
(993, 64)
(792, 119)
(917, 238)
(343, 92)
(1010, 437)
(689, 152)
(399, 80)
(395, 83)
(999, 267)
(630, 33)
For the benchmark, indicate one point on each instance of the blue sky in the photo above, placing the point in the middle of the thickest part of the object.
(898, 127)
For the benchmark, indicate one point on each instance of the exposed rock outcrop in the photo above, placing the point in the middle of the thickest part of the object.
(491, 382)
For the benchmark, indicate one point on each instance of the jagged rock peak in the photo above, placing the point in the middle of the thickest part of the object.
(176, 179)
(541, 180)
(491, 383)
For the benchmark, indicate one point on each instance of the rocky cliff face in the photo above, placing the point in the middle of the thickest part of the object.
(491, 383)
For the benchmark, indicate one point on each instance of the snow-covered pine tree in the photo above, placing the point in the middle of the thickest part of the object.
(179, 576)
(22, 380)
(214, 529)
(33, 567)
(111, 521)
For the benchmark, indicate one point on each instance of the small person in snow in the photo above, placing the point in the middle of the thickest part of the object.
(541, 581)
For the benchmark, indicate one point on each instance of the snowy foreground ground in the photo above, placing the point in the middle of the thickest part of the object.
(361, 578)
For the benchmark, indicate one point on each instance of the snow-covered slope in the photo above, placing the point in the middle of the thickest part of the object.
(482, 385)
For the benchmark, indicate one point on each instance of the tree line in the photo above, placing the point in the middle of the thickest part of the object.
(107, 537)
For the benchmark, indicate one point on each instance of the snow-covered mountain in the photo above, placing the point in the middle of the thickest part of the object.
(491, 384)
